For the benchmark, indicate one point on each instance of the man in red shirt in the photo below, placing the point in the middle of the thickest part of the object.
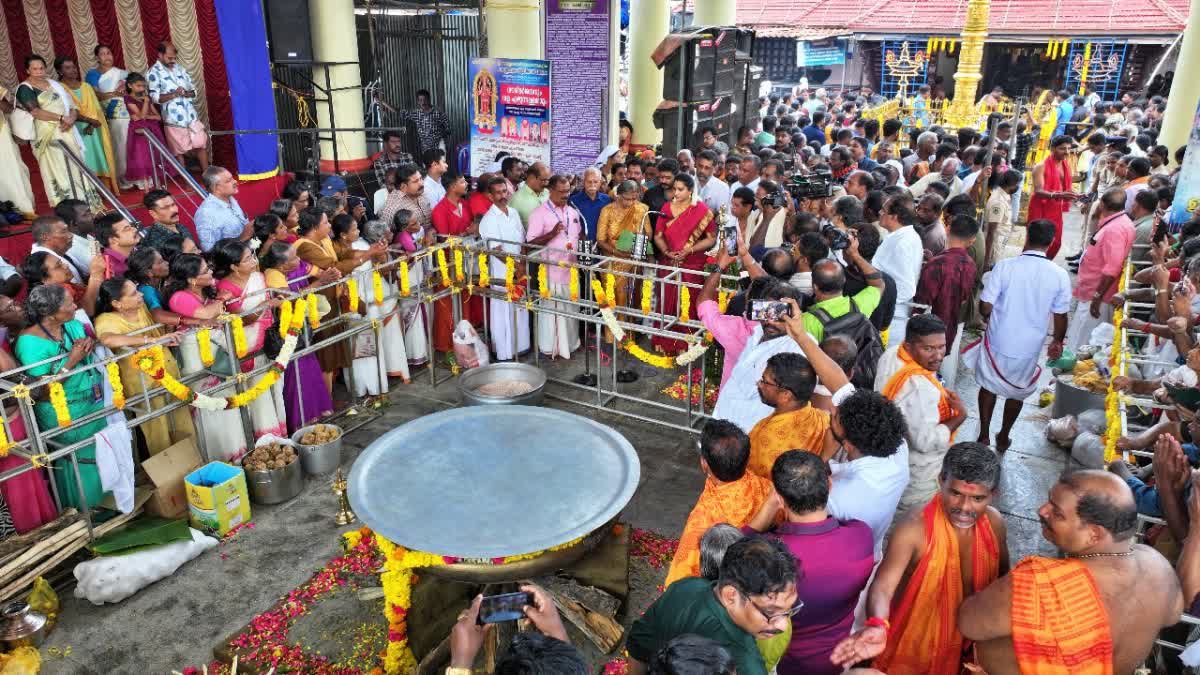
(452, 217)
(947, 281)
(478, 202)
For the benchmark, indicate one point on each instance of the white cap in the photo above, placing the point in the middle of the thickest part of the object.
(605, 154)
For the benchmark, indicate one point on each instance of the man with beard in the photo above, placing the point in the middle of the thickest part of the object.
(502, 224)
(1098, 610)
(907, 375)
(936, 557)
(929, 222)
(713, 191)
(656, 197)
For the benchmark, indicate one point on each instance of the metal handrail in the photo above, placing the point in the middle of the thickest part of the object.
(95, 181)
(169, 158)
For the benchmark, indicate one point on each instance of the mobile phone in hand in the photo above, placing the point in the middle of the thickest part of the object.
(505, 607)
(769, 310)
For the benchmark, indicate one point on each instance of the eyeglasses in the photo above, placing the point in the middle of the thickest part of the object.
(763, 380)
(772, 617)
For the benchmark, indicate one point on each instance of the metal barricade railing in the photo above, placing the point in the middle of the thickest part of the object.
(98, 185)
(168, 173)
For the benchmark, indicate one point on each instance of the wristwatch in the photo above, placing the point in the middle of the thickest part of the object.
(459, 671)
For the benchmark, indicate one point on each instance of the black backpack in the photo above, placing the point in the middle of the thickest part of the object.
(856, 326)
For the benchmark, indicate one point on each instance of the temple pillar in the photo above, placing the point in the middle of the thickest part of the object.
(1185, 89)
(715, 13)
(335, 39)
(514, 29)
(970, 64)
(649, 23)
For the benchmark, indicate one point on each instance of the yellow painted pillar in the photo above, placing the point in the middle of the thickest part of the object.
(649, 23)
(970, 64)
(336, 40)
(514, 29)
(1185, 89)
(715, 13)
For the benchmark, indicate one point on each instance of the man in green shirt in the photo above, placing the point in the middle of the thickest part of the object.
(533, 192)
(828, 280)
(754, 598)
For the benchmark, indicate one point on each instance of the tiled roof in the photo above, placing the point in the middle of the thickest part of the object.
(941, 17)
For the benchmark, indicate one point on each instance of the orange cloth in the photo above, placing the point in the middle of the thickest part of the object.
(913, 369)
(924, 637)
(734, 503)
(1059, 624)
(802, 429)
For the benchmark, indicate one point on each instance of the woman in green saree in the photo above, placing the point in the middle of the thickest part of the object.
(90, 121)
(54, 118)
(54, 332)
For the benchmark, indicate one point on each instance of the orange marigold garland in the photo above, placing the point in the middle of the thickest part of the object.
(352, 294)
(377, 286)
(574, 284)
(285, 318)
(314, 312)
(114, 379)
(58, 399)
(204, 344)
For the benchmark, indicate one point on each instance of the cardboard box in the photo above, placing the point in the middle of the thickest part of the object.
(217, 498)
(166, 472)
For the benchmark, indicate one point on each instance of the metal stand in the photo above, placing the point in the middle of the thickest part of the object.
(587, 378)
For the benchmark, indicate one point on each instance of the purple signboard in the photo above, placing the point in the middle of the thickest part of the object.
(577, 41)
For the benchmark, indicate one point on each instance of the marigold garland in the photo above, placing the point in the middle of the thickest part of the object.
(5, 444)
(610, 288)
(352, 293)
(574, 284)
(285, 318)
(58, 399)
(1116, 362)
(598, 293)
(510, 275)
(656, 360)
(458, 265)
(484, 279)
(118, 389)
(443, 267)
(685, 302)
(314, 312)
(722, 301)
(204, 344)
(377, 286)
(238, 328)
(298, 312)
(543, 283)
(647, 295)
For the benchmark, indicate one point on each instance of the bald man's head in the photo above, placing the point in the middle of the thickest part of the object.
(842, 350)
(1089, 511)
(828, 278)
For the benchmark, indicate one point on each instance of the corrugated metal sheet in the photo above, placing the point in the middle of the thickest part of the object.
(425, 51)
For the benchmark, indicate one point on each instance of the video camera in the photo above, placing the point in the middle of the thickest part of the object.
(816, 185)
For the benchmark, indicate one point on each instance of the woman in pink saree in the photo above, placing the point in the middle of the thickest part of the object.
(684, 233)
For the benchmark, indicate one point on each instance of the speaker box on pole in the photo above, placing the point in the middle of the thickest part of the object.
(688, 62)
(289, 30)
(681, 122)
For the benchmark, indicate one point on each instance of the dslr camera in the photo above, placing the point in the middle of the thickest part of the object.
(816, 185)
(837, 239)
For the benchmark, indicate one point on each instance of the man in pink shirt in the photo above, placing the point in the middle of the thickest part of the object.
(555, 225)
(1101, 268)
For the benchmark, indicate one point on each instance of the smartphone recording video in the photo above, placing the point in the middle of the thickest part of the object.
(505, 607)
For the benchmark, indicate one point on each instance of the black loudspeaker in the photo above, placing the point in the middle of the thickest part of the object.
(289, 30)
(725, 48)
(681, 122)
(689, 62)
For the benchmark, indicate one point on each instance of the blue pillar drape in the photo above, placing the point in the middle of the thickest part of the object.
(248, 66)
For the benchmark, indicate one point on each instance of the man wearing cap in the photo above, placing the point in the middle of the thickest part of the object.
(220, 216)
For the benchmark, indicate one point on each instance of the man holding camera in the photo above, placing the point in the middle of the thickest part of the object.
(773, 201)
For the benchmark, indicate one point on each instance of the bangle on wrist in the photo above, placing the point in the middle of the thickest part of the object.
(879, 622)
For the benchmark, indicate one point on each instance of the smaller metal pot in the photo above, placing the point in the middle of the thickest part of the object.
(20, 626)
(318, 459)
(275, 485)
(471, 380)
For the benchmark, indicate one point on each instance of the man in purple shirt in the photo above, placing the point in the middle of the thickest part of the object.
(837, 557)
(117, 237)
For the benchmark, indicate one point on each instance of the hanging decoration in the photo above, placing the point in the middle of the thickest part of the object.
(238, 328)
(118, 388)
(574, 284)
(58, 399)
(443, 267)
(314, 312)
(285, 318)
(204, 345)
(405, 282)
(352, 293)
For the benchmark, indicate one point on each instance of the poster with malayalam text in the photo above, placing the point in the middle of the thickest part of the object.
(1187, 190)
(577, 46)
(510, 111)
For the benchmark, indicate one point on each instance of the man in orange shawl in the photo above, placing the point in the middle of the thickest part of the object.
(1096, 612)
(786, 385)
(913, 602)
(731, 494)
(907, 376)
(1052, 192)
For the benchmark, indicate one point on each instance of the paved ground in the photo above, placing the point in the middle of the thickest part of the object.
(177, 622)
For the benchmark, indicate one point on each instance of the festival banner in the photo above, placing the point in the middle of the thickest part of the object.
(577, 46)
(1187, 190)
(510, 111)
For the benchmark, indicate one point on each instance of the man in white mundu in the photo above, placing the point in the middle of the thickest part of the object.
(500, 225)
(555, 224)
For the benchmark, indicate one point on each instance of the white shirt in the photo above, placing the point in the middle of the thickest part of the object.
(1023, 292)
(774, 233)
(434, 191)
(918, 188)
(6, 270)
(969, 181)
(753, 185)
(378, 200)
(76, 278)
(506, 226)
(715, 194)
(738, 401)
(900, 255)
(81, 251)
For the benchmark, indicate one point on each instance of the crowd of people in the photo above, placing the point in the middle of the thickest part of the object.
(865, 251)
(102, 117)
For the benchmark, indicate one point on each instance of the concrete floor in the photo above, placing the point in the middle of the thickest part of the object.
(177, 622)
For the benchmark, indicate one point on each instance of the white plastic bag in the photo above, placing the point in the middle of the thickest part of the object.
(1102, 335)
(1088, 450)
(1092, 421)
(1062, 431)
(469, 349)
(114, 578)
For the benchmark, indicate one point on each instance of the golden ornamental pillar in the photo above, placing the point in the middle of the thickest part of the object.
(970, 64)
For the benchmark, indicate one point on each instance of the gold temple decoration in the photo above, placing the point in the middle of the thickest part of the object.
(344, 515)
(1093, 68)
(962, 111)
